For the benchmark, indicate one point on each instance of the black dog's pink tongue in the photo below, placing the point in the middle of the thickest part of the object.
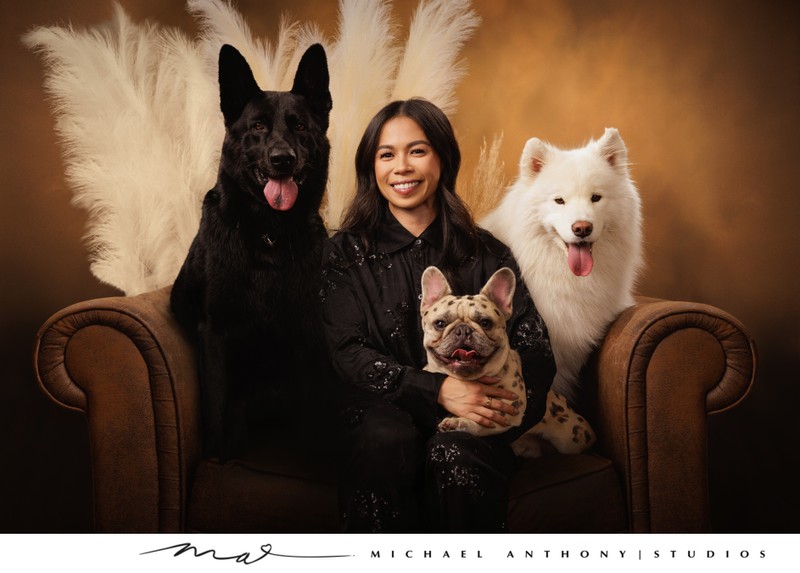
(281, 193)
(580, 259)
(463, 355)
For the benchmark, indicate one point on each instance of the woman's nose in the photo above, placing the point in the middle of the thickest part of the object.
(401, 163)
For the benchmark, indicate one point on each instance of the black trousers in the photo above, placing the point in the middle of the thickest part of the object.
(394, 478)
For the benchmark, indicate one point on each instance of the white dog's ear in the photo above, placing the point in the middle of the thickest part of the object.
(434, 288)
(613, 149)
(534, 156)
(500, 290)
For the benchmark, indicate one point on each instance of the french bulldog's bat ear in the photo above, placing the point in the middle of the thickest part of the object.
(434, 287)
(500, 290)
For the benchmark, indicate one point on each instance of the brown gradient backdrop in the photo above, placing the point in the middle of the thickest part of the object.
(705, 94)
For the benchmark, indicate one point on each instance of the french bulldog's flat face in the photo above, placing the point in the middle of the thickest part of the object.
(466, 336)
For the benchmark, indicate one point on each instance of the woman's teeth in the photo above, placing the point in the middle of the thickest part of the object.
(404, 186)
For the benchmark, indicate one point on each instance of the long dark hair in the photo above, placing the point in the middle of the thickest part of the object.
(365, 213)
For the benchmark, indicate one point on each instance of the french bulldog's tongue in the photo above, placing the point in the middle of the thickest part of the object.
(580, 259)
(281, 193)
(463, 355)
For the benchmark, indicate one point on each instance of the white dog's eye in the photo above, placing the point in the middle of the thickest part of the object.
(439, 324)
(485, 323)
(559, 201)
(596, 198)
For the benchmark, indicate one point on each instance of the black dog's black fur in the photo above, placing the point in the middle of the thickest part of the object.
(249, 288)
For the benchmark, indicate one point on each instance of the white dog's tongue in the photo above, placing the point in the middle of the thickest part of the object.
(580, 259)
(281, 193)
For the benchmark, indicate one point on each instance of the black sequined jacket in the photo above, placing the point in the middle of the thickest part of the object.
(373, 329)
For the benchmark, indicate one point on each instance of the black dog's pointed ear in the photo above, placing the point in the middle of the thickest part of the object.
(311, 80)
(237, 85)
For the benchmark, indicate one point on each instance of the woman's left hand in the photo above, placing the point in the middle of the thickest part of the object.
(481, 403)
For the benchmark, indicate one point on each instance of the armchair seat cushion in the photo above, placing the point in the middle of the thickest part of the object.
(283, 486)
(567, 494)
(286, 482)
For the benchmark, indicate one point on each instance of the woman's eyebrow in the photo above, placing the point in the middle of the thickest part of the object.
(410, 144)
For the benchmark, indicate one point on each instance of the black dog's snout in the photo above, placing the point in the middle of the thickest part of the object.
(582, 229)
(283, 160)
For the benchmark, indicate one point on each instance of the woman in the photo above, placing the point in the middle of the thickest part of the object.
(398, 474)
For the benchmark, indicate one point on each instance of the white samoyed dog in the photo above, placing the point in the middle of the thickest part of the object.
(573, 222)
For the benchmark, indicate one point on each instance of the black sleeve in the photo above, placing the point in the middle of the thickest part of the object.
(358, 355)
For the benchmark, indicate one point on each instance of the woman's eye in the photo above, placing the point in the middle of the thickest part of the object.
(385, 155)
(559, 201)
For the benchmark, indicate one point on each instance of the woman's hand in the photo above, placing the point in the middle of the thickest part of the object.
(479, 402)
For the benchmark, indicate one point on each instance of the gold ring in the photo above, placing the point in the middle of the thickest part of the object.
(488, 402)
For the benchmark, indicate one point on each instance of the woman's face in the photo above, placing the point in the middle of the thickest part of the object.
(407, 171)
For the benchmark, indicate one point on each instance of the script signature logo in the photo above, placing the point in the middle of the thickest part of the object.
(245, 558)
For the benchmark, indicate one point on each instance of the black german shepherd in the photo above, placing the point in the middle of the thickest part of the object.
(249, 288)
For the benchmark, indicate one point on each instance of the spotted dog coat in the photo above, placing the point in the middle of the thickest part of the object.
(561, 428)
(466, 337)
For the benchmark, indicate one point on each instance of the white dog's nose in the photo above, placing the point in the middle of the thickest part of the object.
(582, 229)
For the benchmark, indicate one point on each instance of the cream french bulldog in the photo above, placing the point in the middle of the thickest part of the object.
(465, 337)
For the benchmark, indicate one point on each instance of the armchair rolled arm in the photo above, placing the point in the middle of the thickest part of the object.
(663, 367)
(125, 363)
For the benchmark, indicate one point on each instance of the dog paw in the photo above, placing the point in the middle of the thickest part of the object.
(531, 446)
(459, 425)
(583, 435)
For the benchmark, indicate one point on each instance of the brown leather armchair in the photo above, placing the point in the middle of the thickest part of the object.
(123, 361)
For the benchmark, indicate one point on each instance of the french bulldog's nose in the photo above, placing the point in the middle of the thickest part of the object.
(582, 229)
(462, 331)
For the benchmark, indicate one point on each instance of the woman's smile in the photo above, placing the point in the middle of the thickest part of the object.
(405, 187)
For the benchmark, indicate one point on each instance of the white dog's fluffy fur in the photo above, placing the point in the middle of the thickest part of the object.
(555, 190)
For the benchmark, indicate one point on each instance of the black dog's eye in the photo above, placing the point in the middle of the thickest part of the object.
(559, 201)
(485, 323)
(439, 324)
(596, 198)
(259, 126)
(299, 126)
